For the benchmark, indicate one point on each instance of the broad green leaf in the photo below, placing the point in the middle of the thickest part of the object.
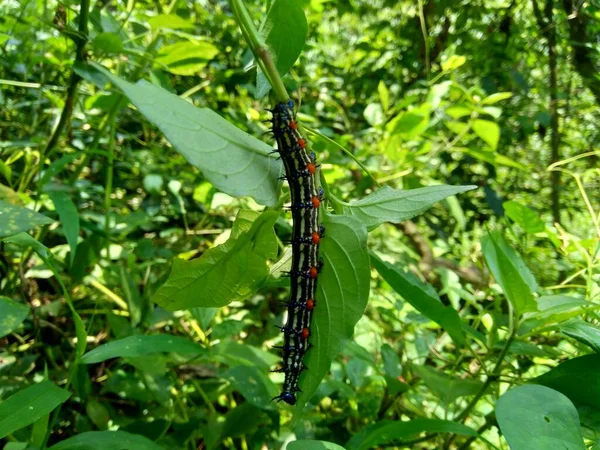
(27, 406)
(577, 379)
(106, 440)
(342, 296)
(171, 21)
(409, 125)
(313, 445)
(389, 205)
(228, 272)
(422, 297)
(108, 43)
(15, 219)
(233, 161)
(524, 217)
(535, 417)
(12, 314)
(284, 32)
(245, 419)
(458, 111)
(447, 387)
(185, 58)
(491, 157)
(488, 131)
(510, 273)
(584, 332)
(554, 309)
(387, 431)
(142, 345)
(254, 385)
(69, 218)
(495, 98)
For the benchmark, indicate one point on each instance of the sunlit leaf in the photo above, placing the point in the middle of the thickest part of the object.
(495, 98)
(185, 58)
(171, 21)
(14, 219)
(488, 131)
(584, 332)
(524, 217)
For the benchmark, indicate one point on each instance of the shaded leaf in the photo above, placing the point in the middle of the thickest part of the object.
(106, 440)
(584, 332)
(313, 445)
(524, 217)
(422, 297)
(253, 384)
(69, 218)
(447, 387)
(387, 431)
(228, 272)
(12, 314)
(535, 417)
(27, 406)
(142, 345)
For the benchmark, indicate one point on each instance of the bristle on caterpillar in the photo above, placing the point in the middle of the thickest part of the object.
(306, 198)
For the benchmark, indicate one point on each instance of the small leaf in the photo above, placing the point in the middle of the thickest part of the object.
(409, 125)
(488, 131)
(108, 43)
(524, 217)
(14, 219)
(69, 218)
(172, 21)
(253, 384)
(313, 445)
(422, 297)
(228, 272)
(535, 417)
(27, 406)
(142, 345)
(389, 205)
(584, 332)
(495, 98)
(510, 273)
(342, 296)
(384, 95)
(233, 161)
(454, 62)
(387, 431)
(12, 314)
(185, 58)
(447, 387)
(284, 32)
(106, 440)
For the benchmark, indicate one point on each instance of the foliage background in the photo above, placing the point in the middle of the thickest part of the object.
(422, 93)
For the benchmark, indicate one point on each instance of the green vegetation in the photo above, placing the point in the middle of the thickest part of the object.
(143, 229)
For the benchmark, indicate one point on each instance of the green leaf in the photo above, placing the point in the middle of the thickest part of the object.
(69, 218)
(422, 297)
(524, 217)
(408, 125)
(108, 43)
(389, 205)
(510, 273)
(554, 309)
(495, 98)
(185, 58)
(384, 95)
(453, 62)
(488, 131)
(142, 345)
(228, 272)
(12, 314)
(253, 384)
(14, 219)
(577, 379)
(233, 161)
(491, 157)
(313, 445)
(535, 417)
(284, 32)
(106, 440)
(584, 332)
(342, 296)
(27, 406)
(446, 387)
(171, 21)
(387, 431)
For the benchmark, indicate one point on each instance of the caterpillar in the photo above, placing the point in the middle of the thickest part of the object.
(300, 168)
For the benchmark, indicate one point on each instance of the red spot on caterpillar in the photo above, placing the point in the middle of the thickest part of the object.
(310, 304)
(293, 125)
(313, 272)
(301, 143)
(316, 202)
(316, 238)
(305, 333)
(311, 168)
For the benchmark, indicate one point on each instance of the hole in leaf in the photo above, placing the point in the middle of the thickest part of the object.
(547, 419)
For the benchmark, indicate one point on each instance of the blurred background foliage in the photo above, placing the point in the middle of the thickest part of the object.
(486, 93)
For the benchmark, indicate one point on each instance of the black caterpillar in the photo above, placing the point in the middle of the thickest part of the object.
(300, 168)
